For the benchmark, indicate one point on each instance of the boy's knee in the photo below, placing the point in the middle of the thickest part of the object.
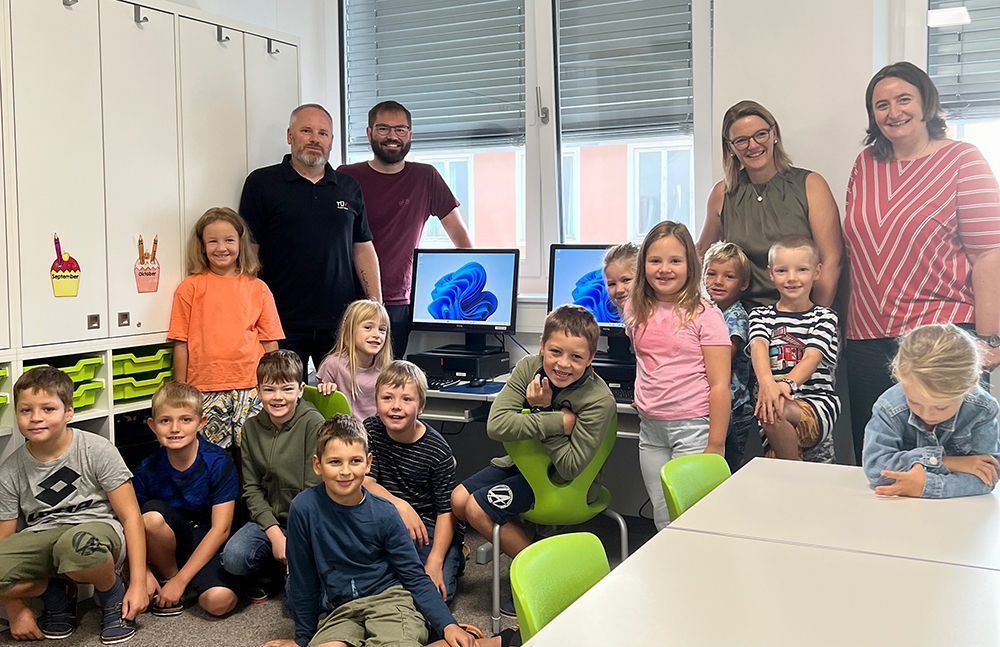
(217, 601)
(79, 549)
(459, 500)
(156, 525)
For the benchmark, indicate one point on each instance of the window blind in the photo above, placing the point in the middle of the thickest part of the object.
(964, 61)
(457, 65)
(624, 68)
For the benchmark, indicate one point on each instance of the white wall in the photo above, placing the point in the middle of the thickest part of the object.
(809, 64)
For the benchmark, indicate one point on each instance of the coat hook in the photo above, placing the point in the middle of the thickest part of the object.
(138, 17)
(219, 36)
(271, 49)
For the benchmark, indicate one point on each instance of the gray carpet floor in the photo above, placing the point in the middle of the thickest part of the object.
(251, 626)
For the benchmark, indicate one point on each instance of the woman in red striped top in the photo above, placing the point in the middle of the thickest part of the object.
(922, 230)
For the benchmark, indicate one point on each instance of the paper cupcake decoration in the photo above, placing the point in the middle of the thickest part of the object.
(65, 273)
(147, 268)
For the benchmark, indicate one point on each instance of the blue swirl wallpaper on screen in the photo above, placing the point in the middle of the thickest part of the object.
(464, 287)
(578, 277)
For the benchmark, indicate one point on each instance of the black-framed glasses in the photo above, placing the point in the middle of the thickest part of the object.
(399, 131)
(761, 137)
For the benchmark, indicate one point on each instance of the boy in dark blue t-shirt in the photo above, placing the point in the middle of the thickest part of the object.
(187, 491)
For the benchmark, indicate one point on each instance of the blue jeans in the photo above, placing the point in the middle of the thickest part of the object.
(454, 560)
(248, 551)
(741, 423)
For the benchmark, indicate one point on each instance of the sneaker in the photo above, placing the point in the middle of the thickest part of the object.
(507, 605)
(115, 628)
(165, 611)
(58, 619)
(258, 593)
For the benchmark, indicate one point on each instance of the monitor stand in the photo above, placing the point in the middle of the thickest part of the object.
(619, 351)
(475, 344)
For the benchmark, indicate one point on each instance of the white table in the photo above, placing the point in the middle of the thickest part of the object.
(832, 506)
(696, 589)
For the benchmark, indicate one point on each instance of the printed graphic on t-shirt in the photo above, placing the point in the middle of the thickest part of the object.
(786, 351)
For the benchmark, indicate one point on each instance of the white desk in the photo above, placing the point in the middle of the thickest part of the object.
(695, 589)
(832, 506)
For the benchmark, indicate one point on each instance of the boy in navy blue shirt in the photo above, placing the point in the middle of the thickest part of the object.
(352, 546)
(187, 490)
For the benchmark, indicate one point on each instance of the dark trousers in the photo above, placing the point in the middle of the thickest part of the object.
(869, 375)
(314, 343)
(399, 328)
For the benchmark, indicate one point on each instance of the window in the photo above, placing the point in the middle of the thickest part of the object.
(626, 105)
(964, 62)
(661, 177)
(457, 173)
(549, 104)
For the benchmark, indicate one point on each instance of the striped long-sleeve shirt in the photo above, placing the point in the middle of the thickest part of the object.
(910, 227)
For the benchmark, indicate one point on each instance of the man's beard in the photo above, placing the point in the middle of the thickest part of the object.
(390, 157)
(310, 159)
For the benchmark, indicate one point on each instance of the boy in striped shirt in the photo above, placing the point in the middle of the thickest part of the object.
(793, 348)
(413, 467)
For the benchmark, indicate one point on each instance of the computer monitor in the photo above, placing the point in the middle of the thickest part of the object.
(576, 275)
(465, 290)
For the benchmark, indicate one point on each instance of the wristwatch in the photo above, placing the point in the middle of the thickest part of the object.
(537, 409)
(993, 341)
(792, 384)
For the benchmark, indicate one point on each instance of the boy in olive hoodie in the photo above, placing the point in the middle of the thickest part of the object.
(278, 444)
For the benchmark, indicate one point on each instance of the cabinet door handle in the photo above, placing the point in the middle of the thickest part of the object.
(271, 49)
(219, 36)
(69, 3)
(138, 17)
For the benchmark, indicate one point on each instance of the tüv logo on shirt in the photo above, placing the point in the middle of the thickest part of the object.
(342, 204)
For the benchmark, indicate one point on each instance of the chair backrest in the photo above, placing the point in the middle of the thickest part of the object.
(561, 504)
(328, 405)
(550, 574)
(686, 479)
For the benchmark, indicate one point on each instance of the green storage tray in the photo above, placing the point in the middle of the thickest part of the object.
(4, 399)
(132, 364)
(83, 371)
(86, 394)
(130, 388)
(4, 372)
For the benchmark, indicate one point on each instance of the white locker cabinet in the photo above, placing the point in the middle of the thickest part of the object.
(59, 159)
(213, 114)
(272, 87)
(142, 168)
(4, 289)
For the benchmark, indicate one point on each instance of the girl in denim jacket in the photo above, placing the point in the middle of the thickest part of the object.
(934, 434)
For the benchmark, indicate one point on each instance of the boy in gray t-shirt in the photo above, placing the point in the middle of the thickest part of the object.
(68, 486)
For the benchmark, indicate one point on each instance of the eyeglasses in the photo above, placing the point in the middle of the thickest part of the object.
(399, 131)
(761, 137)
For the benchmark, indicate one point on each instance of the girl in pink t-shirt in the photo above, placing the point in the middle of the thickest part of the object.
(222, 322)
(683, 353)
(358, 357)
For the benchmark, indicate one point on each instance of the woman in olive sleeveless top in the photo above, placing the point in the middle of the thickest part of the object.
(763, 197)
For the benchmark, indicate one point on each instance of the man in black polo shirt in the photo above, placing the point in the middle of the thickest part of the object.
(310, 224)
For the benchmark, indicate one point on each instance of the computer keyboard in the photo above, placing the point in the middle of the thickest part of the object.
(623, 394)
(439, 383)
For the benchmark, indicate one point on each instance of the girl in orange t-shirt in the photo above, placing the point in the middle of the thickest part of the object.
(222, 321)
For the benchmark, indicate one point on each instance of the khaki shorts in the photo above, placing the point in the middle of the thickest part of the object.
(388, 618)
(807, 430)
(27, 555)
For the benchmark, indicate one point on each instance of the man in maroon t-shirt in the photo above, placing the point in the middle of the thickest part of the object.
(399, 197)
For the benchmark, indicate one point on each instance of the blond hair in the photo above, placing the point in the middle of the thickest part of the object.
(722, 252)
(730, 162)
(641, 296)
(794, 241)
(400, 373)
(622, 252)
(358, 312)
(177, 395)
(942, 359)
(197, 262)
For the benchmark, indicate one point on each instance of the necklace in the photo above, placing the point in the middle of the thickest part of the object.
(753, 188)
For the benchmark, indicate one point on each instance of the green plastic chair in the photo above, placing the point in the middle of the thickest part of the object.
(558, 504)
(686, 479)
(328, 405)
(550, 574)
